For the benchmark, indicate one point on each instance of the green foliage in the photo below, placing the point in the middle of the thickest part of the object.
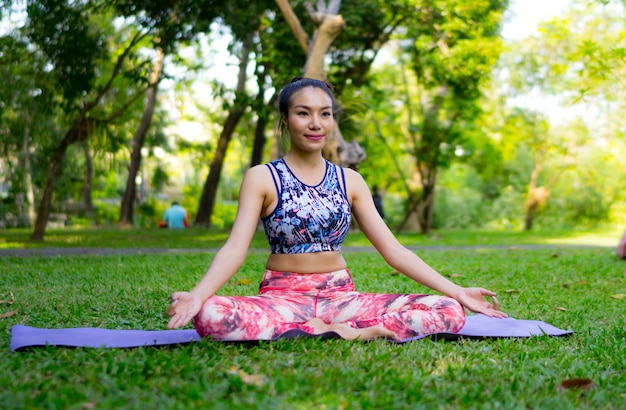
(448, 51)
(369, 26)
(224, 215)
(74, 51)
(577, 58)
(458, 200)
(106, 213)
(280, 55)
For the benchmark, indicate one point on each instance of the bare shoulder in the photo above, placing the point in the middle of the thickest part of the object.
(354, 180)
(355, 186)
(258, 183)
(258, 170)
(257, 175)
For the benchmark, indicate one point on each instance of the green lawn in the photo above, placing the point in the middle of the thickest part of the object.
(198, 238)
(569, 287)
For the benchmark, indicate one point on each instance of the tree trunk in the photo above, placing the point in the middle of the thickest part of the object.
(128, 200)
(259, 132)
(87, 190)
(259, 141)
(74, 134)
(411, 209)
(538, 195)
(425, 208)
(28, 181)
(209, 192)
(532, 199)
(529, 219)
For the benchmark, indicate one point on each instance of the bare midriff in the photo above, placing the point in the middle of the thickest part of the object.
(316, 262)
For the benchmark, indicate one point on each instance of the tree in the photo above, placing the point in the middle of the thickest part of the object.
(450, 48)
(245, 20)
(209, 193)
(578, 61)
(76, 54)
(530, 131)
(126, 210)
(26, 102)
(170, 25)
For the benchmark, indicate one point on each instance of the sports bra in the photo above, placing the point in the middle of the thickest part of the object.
(307, 218)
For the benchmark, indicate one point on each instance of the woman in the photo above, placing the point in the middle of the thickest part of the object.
(305, 204)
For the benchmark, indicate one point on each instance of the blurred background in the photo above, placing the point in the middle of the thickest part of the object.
(503, 115)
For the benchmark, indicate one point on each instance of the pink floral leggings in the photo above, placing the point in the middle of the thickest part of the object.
(287, 300)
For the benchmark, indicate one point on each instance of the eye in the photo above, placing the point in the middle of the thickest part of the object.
(327, 114)
(303, 113)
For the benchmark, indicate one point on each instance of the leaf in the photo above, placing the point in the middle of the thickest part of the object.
(510, 291)
(8, 314)
(456, 275)
(242, 281)
(252, 379)
(562, 309)
(8, 301)
(579, 383)
(619, 296)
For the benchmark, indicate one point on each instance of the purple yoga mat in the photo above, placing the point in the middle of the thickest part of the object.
(476, 327)
(485, 327)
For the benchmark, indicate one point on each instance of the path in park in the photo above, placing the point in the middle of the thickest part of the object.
(173, 251)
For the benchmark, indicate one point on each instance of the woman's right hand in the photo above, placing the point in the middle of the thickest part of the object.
(185, 306)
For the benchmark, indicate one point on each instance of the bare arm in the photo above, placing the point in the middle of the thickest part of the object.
(252, 196)
(405, 261)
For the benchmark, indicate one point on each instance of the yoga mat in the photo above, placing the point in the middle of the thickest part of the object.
(476, 327)
(485, 327)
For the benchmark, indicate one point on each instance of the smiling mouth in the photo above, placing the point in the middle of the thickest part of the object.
(314, 136)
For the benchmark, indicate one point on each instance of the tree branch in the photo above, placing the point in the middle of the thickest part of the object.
(333, 6)
(294, 23)
(116, 71)
(128, 103)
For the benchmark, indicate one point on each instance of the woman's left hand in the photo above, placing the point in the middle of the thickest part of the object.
(474, 300)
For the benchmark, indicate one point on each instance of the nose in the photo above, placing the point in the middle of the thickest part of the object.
(315, 122)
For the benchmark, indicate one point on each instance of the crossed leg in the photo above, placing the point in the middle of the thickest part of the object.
(352, 315)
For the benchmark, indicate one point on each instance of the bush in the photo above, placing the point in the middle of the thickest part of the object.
(224, 215)
(458, 209)
(106, 213)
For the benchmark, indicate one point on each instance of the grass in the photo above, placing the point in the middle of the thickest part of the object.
(568, 287)
(198, 238)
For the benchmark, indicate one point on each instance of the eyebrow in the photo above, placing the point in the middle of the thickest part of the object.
(328, 107)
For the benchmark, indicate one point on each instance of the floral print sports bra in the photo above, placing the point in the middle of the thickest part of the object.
(307, 218)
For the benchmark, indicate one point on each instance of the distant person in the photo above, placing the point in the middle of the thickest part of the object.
(175, 216)
(378, 201)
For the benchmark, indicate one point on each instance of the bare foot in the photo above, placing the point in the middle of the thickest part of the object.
(349, 333)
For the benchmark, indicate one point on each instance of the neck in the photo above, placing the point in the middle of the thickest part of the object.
(312, 159)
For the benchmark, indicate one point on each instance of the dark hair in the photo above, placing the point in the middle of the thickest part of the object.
(297, 84)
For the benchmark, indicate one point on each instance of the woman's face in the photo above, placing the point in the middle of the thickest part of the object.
(310, 119)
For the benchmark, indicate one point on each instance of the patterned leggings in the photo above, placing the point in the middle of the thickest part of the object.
(287, 300)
